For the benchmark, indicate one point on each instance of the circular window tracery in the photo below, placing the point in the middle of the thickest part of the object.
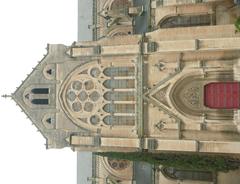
(94, 96)
(88, 107)
(77, 85)
(76, 106)
(83, 96)
(49, 71)
(82, 100)
(118, 164)
(71, 96)
(94, 120)
(89, 85)
(95, 72)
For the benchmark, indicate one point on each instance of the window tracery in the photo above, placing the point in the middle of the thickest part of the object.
(82, 94)
(49, 121)
(49, 72)
(118, 164)
(119, 96)
(178, 174)
(186, 21)
(98, 96)
(37, 96)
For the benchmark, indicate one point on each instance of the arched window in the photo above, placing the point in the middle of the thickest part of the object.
(119, 96)
(119, 71)
(119, 108)
(119, 84)
(177, 174)
(119, 120)
(40, 91)
(186, 21)
(37, 95)
(40, 101)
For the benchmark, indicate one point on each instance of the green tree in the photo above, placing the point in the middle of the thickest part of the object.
(237, 24)
(179, 161)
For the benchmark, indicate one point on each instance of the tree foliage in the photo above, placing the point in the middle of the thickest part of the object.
(237, 24)
(179, 161)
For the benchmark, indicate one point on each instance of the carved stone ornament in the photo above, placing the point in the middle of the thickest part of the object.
(160, 65)
(161, 96)
(160, 125)
(192, 95)
(118, 164)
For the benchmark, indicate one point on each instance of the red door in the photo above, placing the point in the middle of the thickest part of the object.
(222, 95)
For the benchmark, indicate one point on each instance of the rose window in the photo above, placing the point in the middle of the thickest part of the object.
(82, 96)
(89, 98)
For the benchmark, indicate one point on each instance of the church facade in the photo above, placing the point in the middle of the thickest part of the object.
(174, 89)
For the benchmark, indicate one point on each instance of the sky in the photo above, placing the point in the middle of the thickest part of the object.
(26, 28)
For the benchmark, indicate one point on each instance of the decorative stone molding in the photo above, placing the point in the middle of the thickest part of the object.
(160, 65)
(192, 96)
(118, 169)
(161, 95)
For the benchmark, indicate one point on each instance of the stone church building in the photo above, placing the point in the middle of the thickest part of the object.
(173, 89)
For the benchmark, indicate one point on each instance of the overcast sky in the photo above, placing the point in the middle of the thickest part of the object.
(26, 28)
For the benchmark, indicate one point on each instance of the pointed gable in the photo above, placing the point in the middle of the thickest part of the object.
(36, 96)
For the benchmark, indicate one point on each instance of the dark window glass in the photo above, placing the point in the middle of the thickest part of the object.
(40, 101)
(119, 71)
(119, 84)
(119, 108)
(50, 71)
(49, 120)
(119, 96)
(40, 90)
(186, 21)
(119, 120)
(178, 174)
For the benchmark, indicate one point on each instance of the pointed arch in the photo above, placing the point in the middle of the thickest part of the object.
(40, 90)
(185, 21)
(187, 96)
(43, 101)
(179, 174)
(119, 71)
(119, 83)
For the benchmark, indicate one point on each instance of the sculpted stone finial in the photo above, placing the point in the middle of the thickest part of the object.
(7, 96)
